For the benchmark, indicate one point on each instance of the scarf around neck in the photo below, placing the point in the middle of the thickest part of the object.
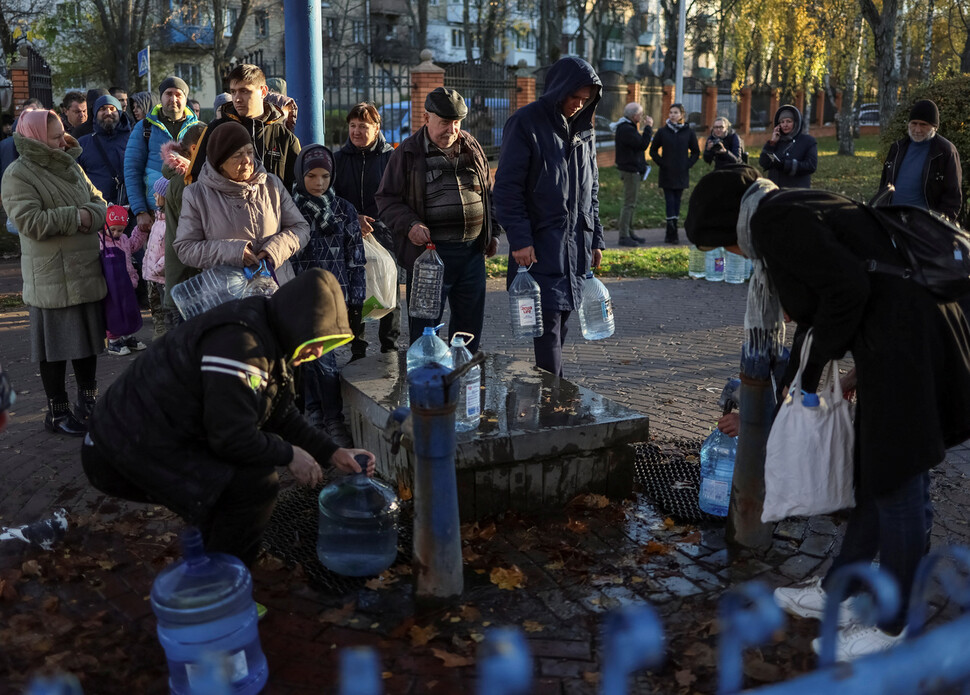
(674, 126)
(764, 319)
(318, 212)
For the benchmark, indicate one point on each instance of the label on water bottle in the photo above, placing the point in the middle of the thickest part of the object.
(607, 307)
(719, 265)
(235, 665)
(473, 404)
(527, 311)
(717, 492)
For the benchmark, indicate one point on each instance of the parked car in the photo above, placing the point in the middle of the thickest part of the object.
(868, 114)
(396, 121)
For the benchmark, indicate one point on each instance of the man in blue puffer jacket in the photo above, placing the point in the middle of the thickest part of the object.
(143, 157)
(546, 197)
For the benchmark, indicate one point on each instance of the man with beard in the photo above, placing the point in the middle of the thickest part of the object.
(924, 167)
(103, 151)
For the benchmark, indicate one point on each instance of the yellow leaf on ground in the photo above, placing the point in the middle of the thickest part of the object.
(382, 582)
(555, 565)
(533, 626)
(655, 548)
(577, 526)
(510, 578)
(470, 613)
(420, 636)
(337, 616)
(469, 555)
(452, 660)
(403, 491)
(31, 568)
(590, 501)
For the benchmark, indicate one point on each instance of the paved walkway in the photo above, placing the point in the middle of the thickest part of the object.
(83, 606)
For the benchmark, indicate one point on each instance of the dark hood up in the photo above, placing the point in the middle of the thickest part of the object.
(309, 308)
(565, 77)
(799, 123)
(299, 173)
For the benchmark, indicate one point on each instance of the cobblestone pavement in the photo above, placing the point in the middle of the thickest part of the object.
(83, 606)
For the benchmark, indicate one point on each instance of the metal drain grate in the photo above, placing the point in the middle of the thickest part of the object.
(291, 535)
(670, 473)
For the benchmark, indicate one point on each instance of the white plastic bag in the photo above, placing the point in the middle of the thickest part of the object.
(382, 288)
(809, 455)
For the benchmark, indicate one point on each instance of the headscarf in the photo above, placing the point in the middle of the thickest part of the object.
(145, 100)
(33, 124)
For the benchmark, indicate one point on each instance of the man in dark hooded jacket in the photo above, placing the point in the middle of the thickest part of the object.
(790, 157)
(546, 197)
(200, 422)
(103, 151)
(87, 127)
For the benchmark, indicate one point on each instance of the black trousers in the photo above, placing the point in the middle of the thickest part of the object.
(236, 522)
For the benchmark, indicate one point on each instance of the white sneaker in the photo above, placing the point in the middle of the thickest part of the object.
(807, 600)
(860, 640)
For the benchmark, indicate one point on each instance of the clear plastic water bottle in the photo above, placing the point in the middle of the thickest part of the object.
(596, 311)
(468, 412)
(429, 348)
(525, 305)
(714, 265)
(210, 288)
(60, 684)
(428, 279)
(717, 472)
(734, 267)
(357, 531)
(260, 281)
(696, 262)
(204, 605)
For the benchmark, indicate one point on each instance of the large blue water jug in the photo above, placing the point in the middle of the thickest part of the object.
(357, 533)
(717, 472)
(204, 605)
(429, 348)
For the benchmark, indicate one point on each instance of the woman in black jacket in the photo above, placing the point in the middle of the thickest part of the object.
(790, 157)
(911, 362)
(358, 168)
(723, 147)
(675, 150)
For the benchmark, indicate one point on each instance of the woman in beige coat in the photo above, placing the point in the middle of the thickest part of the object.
(59, 214)
(237, 214)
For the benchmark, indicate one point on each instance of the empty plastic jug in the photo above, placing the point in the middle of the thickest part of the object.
(734, 268)
(210, 288)
(260, 281)
(596, 311)
(525, 305)
(429, 348)
(428, 279)
(468, 412)
(717, 472)
(357, 533)
(696, 262)
(714, 265)
(204, 605)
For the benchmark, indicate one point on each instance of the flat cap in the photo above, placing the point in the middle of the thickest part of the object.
(447, 103)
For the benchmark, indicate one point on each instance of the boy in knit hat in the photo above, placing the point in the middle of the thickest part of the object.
(117, 220)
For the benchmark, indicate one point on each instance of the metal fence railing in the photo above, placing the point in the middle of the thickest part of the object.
(489, 91)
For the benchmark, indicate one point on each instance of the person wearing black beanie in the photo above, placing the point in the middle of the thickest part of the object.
(923, 168)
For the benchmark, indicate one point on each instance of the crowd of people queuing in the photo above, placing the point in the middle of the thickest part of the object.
(243, 190)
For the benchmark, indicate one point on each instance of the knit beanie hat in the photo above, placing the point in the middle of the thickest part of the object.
(446, 103)
(117, 215)
(221, 99)
(925, 110)
(712, 213)
(224, 141)
(318, 158)
(173, 81)
(161, 186)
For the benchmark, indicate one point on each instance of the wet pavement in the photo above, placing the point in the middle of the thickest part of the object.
(84, 606)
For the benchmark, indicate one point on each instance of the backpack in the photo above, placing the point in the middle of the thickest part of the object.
(937, 251)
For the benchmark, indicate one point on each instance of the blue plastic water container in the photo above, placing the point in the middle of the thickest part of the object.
(204, 605)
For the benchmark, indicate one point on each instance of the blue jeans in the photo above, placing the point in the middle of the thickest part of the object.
(322, 400)
(672, 202)
(464, 288)
(897, 527)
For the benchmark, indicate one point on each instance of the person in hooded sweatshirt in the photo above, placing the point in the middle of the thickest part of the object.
(547, 197)
(790, 157)
(275, 146)
(224, 381)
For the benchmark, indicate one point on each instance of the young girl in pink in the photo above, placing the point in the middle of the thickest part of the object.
(117, 220)
(153, 266)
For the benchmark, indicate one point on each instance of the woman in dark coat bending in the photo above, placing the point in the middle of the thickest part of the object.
(912, 357)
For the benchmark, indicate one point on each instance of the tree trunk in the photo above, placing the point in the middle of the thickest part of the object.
(467, 28)
(924, 71)
(884, 41)
(844, 119)
(671, 11)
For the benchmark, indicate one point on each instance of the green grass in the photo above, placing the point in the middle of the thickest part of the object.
(856, 177)
(655, 262)
(10, 302)
(9, 243)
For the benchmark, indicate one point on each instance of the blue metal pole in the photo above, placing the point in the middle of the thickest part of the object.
(360, 672)
(504, 663)
(633, 639)
(304, 67)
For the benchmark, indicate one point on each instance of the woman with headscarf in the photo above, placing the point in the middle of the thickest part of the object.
(674, 150)
(912, 362)
(59, 214)
(142, 104)
(237, 214)
(335, 245)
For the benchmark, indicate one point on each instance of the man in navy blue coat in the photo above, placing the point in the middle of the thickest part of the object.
(103, 150)
(546, 197)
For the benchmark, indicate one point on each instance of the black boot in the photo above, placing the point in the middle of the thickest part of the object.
(60, 419)
(671, 236)
(86, 398)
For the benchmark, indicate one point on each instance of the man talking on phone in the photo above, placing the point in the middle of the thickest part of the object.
(790, 157)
